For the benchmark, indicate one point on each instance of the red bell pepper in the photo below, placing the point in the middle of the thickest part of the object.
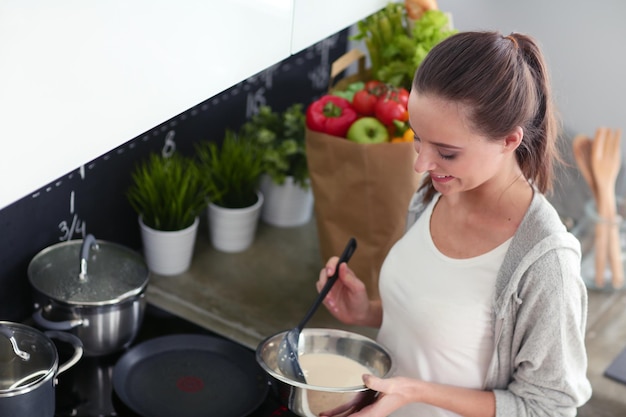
(331, 114)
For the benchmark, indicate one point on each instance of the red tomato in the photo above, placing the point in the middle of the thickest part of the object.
(400, 95)
(364, 102)
(372, 84)
(388, 110)
(376, 87)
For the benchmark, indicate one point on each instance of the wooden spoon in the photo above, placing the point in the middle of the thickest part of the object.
(601, 232)
(615, 247)
(605, 164)
(582, 145)
(582, 153)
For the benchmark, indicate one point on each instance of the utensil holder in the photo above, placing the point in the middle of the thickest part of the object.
(587, 231)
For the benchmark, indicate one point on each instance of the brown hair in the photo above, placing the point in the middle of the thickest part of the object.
(504, 82)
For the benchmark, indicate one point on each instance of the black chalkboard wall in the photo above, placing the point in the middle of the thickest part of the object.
(91, 199)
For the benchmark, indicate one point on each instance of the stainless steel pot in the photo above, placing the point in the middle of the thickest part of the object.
(29, 366)
(93, 289)
(309, 400)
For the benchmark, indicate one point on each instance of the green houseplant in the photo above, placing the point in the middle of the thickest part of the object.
(281, 136)
(285, 183)
(167, 192)
(168, 195)
(230, 173)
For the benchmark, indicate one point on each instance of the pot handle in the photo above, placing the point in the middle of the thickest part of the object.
(88, 243)
(57, 325)
(5, 331)
(72, 340)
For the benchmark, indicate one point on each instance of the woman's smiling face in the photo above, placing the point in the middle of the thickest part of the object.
(456, 157)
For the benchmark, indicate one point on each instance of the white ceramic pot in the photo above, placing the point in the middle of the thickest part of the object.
(233, 230)
(168, 252)
(286, 205)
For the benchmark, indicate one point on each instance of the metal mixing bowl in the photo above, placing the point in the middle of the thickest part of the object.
(309, 400)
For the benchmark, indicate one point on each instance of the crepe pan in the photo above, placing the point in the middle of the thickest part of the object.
(190, 375)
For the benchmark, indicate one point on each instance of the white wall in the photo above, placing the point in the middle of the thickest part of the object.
(585, 45)
(79, 78)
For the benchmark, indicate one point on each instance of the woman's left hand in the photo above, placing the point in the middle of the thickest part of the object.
(396, 392)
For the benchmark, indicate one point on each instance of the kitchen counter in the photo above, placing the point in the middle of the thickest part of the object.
(605, 339)
(250, 295)
(268, 288)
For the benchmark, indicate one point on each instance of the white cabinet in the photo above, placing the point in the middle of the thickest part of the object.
(314, 20)
(79, 78)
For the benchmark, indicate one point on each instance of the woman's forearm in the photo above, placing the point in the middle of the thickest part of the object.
(463, 401)
(374, 317)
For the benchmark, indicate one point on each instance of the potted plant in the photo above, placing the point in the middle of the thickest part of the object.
(168, 196)
(230, 173)
(285, 182)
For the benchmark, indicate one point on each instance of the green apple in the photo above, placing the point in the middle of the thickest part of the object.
(368, 130)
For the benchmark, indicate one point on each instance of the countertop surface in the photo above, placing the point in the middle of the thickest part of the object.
(250, 295)
(605, 339)
(268, 288)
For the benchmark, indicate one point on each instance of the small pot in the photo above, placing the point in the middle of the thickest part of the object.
(93, 289)
(29, 366)
(309, 400)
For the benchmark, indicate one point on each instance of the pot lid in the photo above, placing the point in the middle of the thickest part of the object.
(88, 272)
(27, 357)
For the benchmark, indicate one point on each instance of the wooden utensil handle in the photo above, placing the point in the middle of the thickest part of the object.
(615, 255)
(601, 248)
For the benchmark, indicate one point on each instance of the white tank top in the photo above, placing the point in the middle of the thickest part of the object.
(438, 312)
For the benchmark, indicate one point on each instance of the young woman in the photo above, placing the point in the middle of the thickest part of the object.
(482, 304)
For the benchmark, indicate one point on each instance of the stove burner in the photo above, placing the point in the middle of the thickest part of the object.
(86, 389)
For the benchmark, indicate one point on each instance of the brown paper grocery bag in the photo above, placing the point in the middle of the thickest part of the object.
(343, 63)
(360, 190)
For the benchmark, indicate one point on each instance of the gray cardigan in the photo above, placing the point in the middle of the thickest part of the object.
(540, 312)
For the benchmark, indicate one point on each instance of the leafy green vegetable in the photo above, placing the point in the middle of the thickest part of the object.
(350, 90)
(395, 48)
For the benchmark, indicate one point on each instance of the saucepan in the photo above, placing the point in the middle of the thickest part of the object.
(93, 289)
(308, 400)
(29, 366)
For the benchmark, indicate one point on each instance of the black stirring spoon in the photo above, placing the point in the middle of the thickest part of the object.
(288, 362)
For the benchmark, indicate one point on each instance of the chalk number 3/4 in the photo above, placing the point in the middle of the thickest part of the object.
(73, 227)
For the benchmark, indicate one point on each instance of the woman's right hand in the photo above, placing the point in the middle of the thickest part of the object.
(347, 300)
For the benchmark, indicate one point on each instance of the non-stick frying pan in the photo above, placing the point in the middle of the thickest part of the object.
(188, 375)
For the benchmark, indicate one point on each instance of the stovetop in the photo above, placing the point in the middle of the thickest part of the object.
(86, 389)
